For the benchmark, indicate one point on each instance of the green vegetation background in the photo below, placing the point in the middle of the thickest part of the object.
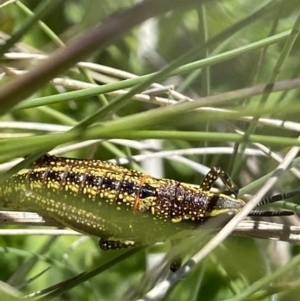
(237, 263)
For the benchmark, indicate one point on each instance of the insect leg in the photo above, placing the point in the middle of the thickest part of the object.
(175, 263)
(216, 173)
(176, 256)
(106, 244)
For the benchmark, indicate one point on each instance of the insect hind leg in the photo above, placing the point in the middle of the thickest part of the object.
(213, 175)
(106, 244)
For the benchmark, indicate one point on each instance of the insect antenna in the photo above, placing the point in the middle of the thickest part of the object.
(273, 199)
(271, 213)
(278, 197)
